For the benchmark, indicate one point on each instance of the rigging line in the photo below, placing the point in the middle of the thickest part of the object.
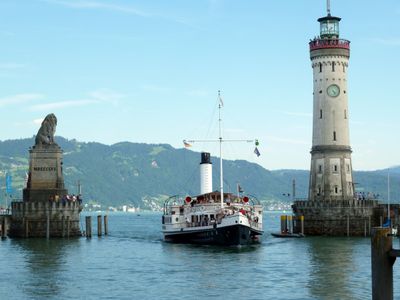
(212, 120)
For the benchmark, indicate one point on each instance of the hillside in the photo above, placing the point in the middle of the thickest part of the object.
(144, 174)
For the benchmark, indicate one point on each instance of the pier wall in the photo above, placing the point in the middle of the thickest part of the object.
(337, 217)
(42, 219)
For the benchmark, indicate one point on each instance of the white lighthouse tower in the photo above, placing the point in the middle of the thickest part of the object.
(331, 208)
(331, 169)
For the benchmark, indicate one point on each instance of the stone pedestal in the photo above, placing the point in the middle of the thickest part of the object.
(45, 178)
(43, 212)
(336, 217)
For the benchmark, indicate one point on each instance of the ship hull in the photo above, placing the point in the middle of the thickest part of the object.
(224, 236)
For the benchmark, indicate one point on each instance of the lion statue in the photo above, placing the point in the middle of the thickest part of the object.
(45, 135)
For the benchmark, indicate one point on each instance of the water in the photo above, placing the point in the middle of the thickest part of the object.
(134, 263)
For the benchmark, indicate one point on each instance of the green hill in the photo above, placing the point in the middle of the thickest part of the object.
(145, 174)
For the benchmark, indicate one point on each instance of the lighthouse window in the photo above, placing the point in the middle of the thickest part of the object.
(336, 189)
(320, 67)
(335, 168)
(320, 169)
(345, 114)
(334, 135)
(333, 66)
(320, 113)
(344, 69)
(319, 190)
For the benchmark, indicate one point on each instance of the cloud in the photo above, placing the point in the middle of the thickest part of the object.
(95, 97)
(38, 121)
(19, 98)
(62, 104)
(296, 114)
(287, 141)
(393, 41)
(86, 4)
(11, 66)
(105, 95)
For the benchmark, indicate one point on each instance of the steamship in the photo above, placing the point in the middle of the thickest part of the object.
(212, 218)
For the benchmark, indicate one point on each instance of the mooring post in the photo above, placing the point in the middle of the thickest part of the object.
(105, 225)
(3, 228)
(380, 221)
(48, 225)
(365, 227)
(302, 224)
(68, 226)
(88, 220)
(369, 225)
(283, 224)
(99, 232)
(381, 264)
(63, 226)
(290, 224)
(348, 225)
(26, 227)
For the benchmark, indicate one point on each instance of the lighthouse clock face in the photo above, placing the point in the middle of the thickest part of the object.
(333, 90)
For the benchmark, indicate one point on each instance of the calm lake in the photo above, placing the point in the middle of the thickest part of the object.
(133, 262)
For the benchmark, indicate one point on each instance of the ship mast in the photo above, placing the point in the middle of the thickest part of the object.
(221, 175)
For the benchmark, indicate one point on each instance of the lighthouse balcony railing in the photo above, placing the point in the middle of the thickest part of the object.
(329, 43)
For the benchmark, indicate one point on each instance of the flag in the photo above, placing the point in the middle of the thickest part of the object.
(220, 99)
(257, 152)
(186, 144)
(8, 184)
(257, 143)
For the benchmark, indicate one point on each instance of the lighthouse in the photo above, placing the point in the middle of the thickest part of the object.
(331, 169)
(331, 207)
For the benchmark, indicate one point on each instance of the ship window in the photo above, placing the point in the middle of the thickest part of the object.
(333, 66)
(320, 113)
(334, 135)
(172, 212)
(320, 67)
(176, 219)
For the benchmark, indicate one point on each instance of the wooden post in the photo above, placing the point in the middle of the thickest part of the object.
(105, 225)
(380, 221)
(48, 225)
(290, 224)
(348, 225)
(26, 228)
(88, 220)
(63, 226)
(283, 224)
(99, 231)
(68, 226)
(3, 228)
(302, 224)
(365, 227)
(369, 225)
(381, 264)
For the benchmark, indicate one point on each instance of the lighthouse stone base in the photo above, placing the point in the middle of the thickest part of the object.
(336, 217)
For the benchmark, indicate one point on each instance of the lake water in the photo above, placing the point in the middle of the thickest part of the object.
(133, 262)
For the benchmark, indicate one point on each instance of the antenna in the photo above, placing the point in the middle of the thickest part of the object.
(328, 7)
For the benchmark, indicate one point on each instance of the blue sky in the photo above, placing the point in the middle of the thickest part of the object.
(149, 71)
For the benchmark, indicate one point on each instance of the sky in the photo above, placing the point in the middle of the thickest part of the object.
(149, 72)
